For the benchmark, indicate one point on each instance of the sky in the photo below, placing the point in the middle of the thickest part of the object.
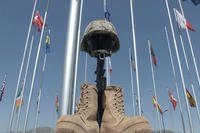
(150, 18)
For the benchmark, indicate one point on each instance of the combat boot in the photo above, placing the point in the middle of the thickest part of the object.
(84, 120)
(114, 119)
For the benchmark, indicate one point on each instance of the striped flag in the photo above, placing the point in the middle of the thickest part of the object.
(153, 56)
(18, 101)
(182, 22)
(48, 42)
(3, 86)
(156, 104)
(172, 99)
(190, 99)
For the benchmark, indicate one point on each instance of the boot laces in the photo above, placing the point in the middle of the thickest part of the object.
(83, 102)
(119, 102)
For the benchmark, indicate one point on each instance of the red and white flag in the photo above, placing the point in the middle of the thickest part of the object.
(182, 22)
(172, 99)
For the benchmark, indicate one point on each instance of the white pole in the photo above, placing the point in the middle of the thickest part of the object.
(180, 67)
(132, 86)
(35, 68)
(21, 68)
(40, 93)
(107, 72)
(86, 62)
(154, 85)
(69, 62)
(136, 62)
(24, 80)
(77, 57)
(38, 110)
(188, 68)
(174, 74)
(191, 48)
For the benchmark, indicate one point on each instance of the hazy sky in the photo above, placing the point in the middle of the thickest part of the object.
(150, 19)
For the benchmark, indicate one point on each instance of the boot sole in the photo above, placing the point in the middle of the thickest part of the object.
(66, 127)
(140, 127)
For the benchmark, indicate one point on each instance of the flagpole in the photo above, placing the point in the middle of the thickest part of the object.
(77, 56)
(38, 110)
(174, 75)
(136, 62)
(180, 67)
(3, 87)
(188, 68)
(40, 92)
(107, 72)
(131, 70)
(69, 62)
(86, 63)
(24, 84)
(35, 68)
(21, 68)
(191, 47)
(154, 84)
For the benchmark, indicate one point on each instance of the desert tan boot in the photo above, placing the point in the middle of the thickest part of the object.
(114, 119)
(84, 120)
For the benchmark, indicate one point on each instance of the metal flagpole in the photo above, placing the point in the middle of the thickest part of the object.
(86, 62)
(107, 72)
(69, 62)
(154, 85)
(21, 68)
(40, 92)
(131, 69)
(188, 68)
(38, 110)
(35, 68)
(174, 74)
(77, 57)
(191, 48)
(136, 62)
(24, 80)
(180, 67)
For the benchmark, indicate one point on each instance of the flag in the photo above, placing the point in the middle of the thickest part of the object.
(160, 109)
(195, 2)
(18, 101)
(190, 99)
(110, 65)
(182, 22)
(156, 104)
(48, 42)
(38, 21)
(153, 57)
(3, 86)
(57, 104)
(172, 99)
